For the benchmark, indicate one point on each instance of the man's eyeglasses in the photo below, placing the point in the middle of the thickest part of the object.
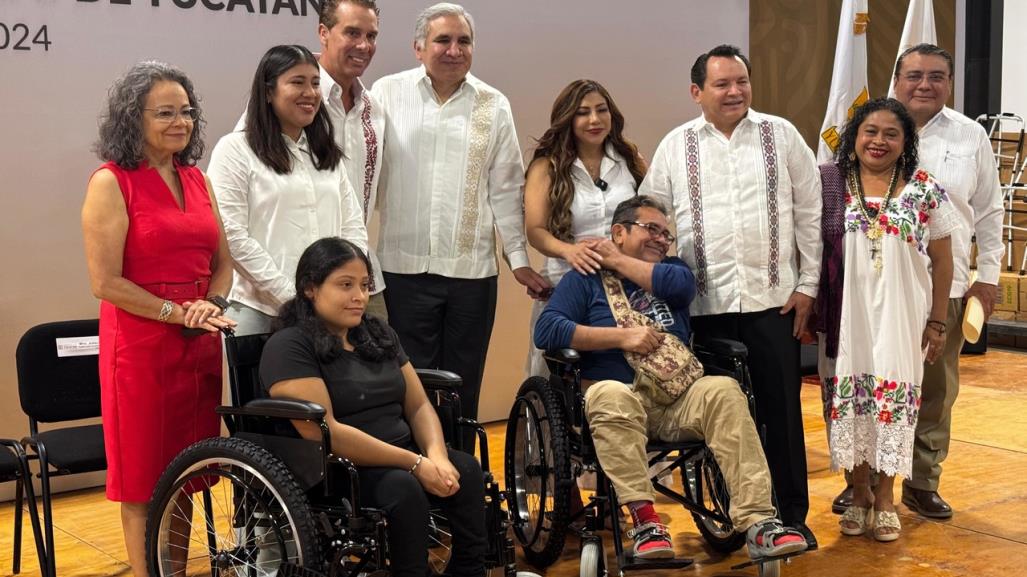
(654, 230)
(169, 115)
(932, 78)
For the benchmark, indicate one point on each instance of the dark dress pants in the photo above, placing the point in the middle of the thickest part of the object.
(774, 370)
(405, 503)
(445, 323)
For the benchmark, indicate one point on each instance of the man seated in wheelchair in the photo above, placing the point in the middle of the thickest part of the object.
(326, 350)
(624, 411)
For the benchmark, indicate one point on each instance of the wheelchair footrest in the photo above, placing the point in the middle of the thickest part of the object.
(762, 560)
(291, 570)
(631, 564)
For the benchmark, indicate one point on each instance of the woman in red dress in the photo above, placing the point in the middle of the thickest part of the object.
(159, 262)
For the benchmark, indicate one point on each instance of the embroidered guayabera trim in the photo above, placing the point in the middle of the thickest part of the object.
(481, 128)
(371, 159)
(695, 199)
(770, 158)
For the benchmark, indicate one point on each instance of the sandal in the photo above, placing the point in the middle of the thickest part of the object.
(652, 541)
(886, 526)
(769, 538)
(856, 520)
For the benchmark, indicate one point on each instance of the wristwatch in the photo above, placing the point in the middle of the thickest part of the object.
(218, 301)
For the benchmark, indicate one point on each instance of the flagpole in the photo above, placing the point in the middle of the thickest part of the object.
(918, 29)
(849, 78)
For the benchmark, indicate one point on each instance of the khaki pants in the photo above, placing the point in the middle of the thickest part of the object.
(713, 409)
(938, 393)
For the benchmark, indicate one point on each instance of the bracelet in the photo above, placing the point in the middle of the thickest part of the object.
(416, 463)
(166, 308)
(938, 326)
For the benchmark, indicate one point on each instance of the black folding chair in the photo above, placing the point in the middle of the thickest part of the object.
(14, 467)
(59, 388)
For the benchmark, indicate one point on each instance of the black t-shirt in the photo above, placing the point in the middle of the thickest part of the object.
(366, 395)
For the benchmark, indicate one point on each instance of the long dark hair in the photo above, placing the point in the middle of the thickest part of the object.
(845, 156)
(559, 147)
(264, 131)
(371, 339)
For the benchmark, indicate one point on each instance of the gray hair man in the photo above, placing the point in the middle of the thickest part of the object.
(454, 177)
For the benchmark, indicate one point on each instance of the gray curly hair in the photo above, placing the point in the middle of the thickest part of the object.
(432, 12)
(121, 125)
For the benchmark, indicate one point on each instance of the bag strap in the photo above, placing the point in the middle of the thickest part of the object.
(615, 297)
(623, 314)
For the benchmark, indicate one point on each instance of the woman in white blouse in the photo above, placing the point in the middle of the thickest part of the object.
(582, 168)
(280, 185)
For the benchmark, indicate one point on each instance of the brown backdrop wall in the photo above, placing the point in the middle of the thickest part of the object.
(792, 51)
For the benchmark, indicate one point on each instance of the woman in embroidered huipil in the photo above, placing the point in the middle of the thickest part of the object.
(583, 167)
(887, 267)
(280, 185)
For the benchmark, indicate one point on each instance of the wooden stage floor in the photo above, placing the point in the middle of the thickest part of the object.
(983, 480)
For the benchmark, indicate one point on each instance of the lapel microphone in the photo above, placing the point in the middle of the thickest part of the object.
(601, 184)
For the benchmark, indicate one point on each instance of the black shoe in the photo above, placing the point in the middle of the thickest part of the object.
(927, 503)
(807, 533)
(843, 501)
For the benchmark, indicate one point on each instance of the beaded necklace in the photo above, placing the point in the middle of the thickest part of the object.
(874, 231)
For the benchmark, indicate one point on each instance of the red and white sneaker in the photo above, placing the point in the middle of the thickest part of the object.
(652, 541)
(769, 538)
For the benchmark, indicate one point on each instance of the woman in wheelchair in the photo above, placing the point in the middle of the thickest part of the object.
(622, 416)
(326, 350)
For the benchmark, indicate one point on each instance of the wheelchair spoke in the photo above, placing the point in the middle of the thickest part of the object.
(238, 548)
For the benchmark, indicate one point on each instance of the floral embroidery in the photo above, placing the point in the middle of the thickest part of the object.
(871, 419)
(863, 395)
(908, 218)
(480, 132)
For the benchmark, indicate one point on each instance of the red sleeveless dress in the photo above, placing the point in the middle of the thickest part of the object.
(158, 388)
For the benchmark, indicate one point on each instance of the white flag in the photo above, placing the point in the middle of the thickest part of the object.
(849, 79)
(919, 29)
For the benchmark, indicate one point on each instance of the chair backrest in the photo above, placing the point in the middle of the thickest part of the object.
(58, 373)
(244, 367)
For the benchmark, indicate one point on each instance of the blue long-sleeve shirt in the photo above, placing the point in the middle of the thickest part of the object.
(580, 300)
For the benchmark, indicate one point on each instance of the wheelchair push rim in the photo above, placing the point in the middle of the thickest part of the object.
(248, 515)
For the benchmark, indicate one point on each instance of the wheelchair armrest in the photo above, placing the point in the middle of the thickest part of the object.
(562, 356)
(277, 409)
(438, 379)
(721, 347)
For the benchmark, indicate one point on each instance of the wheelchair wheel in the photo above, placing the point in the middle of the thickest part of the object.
(440, 542)
(538, 471)
(770, 569)
(593, 559)
(226, 506)
(709, 484)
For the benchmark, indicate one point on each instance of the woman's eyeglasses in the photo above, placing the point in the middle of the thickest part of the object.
(169, 115)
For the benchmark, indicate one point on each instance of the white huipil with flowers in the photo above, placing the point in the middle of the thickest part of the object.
(872, 389)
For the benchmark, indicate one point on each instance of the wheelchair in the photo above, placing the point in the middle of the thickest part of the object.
(266, 502)
(548, 446)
